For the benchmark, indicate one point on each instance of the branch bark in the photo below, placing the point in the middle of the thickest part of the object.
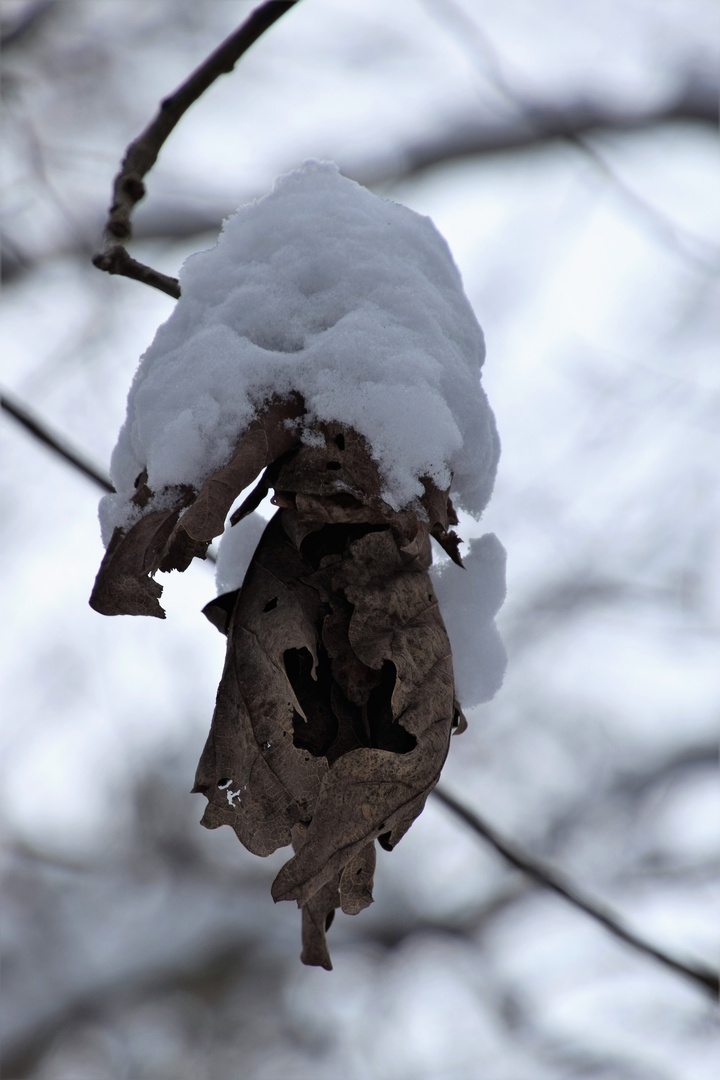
(142, 153)
(464, 140)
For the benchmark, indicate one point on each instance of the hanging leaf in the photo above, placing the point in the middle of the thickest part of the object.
(336, 703)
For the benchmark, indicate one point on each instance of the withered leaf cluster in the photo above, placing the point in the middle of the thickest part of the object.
(336, 703)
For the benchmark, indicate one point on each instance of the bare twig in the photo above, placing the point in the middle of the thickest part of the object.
(167, 223)
(59, 445)
(697, 100)
(552, 879)
(680, 241)
(142, 153)
(573, 125)
(115, 260)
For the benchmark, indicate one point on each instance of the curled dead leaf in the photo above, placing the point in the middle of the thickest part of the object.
(170, 539)
(337, 657)
(336, 703)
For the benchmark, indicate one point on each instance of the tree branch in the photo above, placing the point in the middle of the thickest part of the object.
(142, 153)
(552, 879)
(13, 32)
(538, 128)
(465, 140)
(541, 126)
(59, 445)
(114, 259)
(544, 123)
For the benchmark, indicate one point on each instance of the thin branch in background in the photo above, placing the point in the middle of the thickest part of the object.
(30, 18)
(57, 443)
(681, 241)
(142, 153)
(544, 123)
(551, 879)
(63, 448)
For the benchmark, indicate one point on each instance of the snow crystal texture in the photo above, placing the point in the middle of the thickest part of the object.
(350, 299)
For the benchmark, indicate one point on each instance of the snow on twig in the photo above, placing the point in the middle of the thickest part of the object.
(142, 153)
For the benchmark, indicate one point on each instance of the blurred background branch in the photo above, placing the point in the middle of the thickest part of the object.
(534, 129)
(55, 442)
(550, 879)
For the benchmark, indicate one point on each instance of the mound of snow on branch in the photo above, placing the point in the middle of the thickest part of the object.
(349, 299)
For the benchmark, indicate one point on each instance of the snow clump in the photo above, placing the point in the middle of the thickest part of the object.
(469, 602)
(349, 299)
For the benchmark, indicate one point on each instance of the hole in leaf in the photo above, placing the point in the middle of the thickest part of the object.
(332, 540)
(271, 604)
(386, 733)
(340, 442)
(318, 732)
(333, 465)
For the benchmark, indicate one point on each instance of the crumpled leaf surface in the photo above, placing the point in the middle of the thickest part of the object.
(336, 703)
(169, 539)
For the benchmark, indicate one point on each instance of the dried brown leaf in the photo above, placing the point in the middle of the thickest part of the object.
(254, 776)
(170, 539)
(350, 890)
(337, 703)
(124, 584)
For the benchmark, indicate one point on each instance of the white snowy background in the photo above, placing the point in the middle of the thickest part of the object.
(138, 945)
